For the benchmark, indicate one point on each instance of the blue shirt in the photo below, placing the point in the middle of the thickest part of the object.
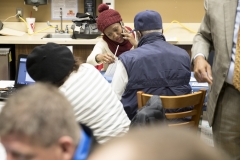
(229, 78)
(83, 147)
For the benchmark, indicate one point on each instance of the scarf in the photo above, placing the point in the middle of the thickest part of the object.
(123, 47)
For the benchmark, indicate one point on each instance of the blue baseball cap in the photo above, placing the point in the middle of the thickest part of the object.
(147, 20)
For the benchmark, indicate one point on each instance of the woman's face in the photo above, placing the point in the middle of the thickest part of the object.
(113, 32)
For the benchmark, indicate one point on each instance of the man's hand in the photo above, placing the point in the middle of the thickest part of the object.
(202, 70)
(105, 58)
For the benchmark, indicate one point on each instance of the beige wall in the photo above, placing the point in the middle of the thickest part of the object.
(185, 11)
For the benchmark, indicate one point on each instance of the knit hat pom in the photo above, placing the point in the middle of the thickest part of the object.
(102, 7)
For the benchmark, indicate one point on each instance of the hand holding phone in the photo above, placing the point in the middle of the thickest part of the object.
(129, 35)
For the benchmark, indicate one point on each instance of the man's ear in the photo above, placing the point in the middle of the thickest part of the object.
(67, 147)
(138, 35)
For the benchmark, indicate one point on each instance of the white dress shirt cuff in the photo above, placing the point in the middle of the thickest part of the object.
(199, 54)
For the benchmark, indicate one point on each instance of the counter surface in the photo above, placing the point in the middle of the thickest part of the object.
(175, 34)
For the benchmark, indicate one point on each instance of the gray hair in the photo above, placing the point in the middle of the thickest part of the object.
(151, 31)
(40, 113)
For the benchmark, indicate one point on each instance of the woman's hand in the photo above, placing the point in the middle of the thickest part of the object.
(128, 35)
(105, 58)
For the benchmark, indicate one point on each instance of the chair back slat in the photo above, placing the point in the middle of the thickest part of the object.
(181, 114)
(185, 124)
(181, 101)
(178, 102)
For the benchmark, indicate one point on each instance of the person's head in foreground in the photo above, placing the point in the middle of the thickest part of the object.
(157, 143)
(147, 22)
(52, 63)
(38, 123)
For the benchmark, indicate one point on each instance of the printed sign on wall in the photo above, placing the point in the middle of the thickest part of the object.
(68, 9)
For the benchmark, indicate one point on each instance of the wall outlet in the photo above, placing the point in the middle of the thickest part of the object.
(19, 12)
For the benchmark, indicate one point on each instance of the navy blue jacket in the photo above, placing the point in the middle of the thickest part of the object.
(155, 67)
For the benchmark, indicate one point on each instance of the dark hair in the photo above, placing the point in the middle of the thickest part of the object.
(77, 62)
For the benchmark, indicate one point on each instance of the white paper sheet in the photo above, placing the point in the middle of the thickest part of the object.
(111, 70)
(71, 48)
(112, 67)
(192, 79)
(196, 84)
(172, 39)
(4, 84)
(11, 32)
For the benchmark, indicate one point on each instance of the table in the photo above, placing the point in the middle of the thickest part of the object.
(197, 86)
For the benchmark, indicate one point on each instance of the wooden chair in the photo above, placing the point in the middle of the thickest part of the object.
(174, 102)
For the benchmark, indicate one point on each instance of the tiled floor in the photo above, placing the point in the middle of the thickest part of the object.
(206, 131)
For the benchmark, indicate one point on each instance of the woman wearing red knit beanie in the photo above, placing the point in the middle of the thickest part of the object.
(115, 35)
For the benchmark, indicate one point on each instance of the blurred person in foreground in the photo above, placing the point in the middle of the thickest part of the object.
(38, 123)
(157, 143)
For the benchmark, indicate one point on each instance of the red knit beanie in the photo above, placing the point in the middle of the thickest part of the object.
(107, 17)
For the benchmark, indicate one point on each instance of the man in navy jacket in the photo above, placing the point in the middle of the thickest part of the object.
(155, 66)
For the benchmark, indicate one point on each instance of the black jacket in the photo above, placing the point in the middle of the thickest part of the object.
(152, 113)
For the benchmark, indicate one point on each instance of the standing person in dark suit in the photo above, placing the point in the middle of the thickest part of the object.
(219, 31)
